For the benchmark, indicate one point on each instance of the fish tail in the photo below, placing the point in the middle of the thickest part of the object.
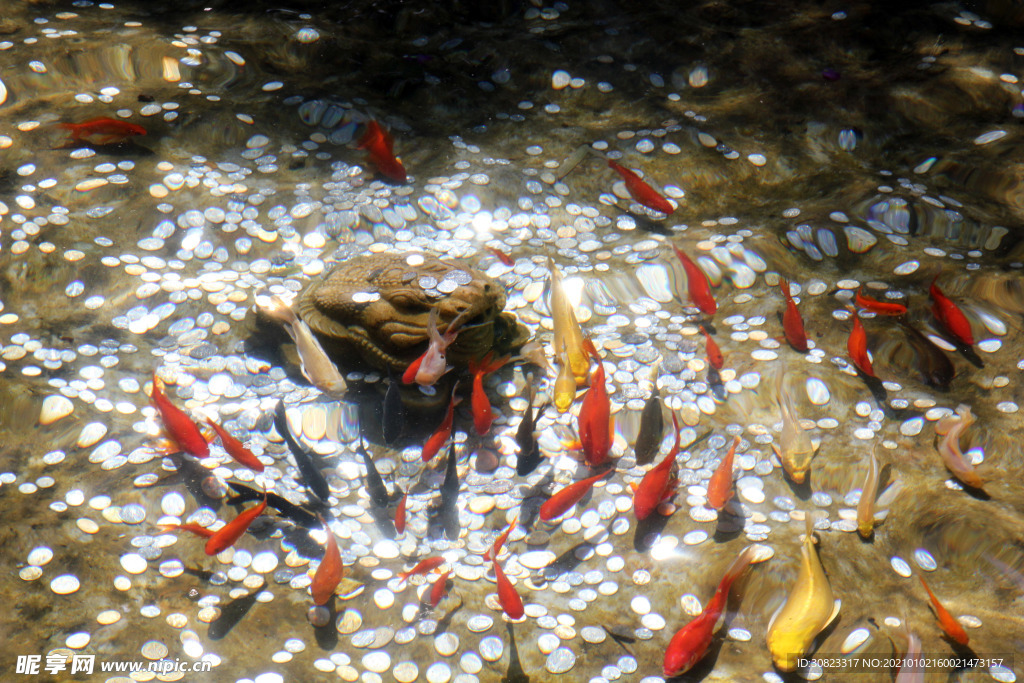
(278, 310)
(784, 286)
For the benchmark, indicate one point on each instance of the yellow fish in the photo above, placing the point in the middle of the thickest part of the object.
(807, 611)
(568, 335)
(952, 428)
(565, 385)
(869, 510)
(795, 448)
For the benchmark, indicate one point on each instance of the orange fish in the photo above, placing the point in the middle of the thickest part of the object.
(191, 526)
(103, 130)
(720, 485)
(510, 601)
(234, 448)
(179, 426)
(566, 497)
(690, 643)
(429, 367)
(714, 353)
(500, 540)
(226, 536)
(659, 484)
(502, 256)
(950, 626)
(698, 284)
(641, 191)
(330, 572)
(857, 346)
(400, 514)
(482, 415)
(879, 307)
(439, 589)
(949, 314)
(792, 322)
(595, 422)
(422, 567)
(378, 143)
(443, 432)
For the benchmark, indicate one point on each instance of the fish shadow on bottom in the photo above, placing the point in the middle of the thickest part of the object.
(648, 531)
(231, 614)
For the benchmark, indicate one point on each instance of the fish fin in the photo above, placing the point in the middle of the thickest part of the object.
(888, 496)
(881, 515)
(835, 611)
(775, 614)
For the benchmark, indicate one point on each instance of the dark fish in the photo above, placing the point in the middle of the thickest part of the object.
(379, 495)
(392, 420)
(312, 476)
(935, 367)
(296, 513)
(652, 429)
(526, 438)
(450, 486)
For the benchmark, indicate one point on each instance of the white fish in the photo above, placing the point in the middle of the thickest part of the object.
(316, 366)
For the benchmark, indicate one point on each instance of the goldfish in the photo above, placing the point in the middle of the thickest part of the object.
(808, 609)
(879, 307)
(697, 283)
(720, 485)
(792, 321)
(911, 668)
(565, 385)
(532, 352)
(640, 191)
(950, 626)
(482, 415)
(392, 419)
(439, 589)
(595, 421)
(179, 426)
(500, 540)
(690, 643)
(502, 256)
(526, 438)
(659, 483)
(444, 431)
(234, 448)
(103, 130)
(510, 601)
(317, 367)
(652, 427)
(312, 477)
(949, 447)
(422, 567)
(566, 497)
(715, 358)
(429, 367)
(191, 527)
(568, 336)
(379, 146)
(379, 495)
(857, 346)
(950, 316)
(226, 536)
(400, 514)
(871, 507)
(935, 368)
(795, 448)
(330, 571)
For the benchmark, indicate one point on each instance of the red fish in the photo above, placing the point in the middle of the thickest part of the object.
(698, 284)
(330, 572)
(179, 426)
(691, 642)
(234, 448)
(566, 497)
(422, 567)
(792, 322)
(720, 486)
(482, 415)
(950, 316)
(500, 540)
(659, 483)
(191, 526)
(595, 421)
(857, 345)
(226, 536)
(443, 432)
(879, 307)
(714, 353)
(641, 191)
(103, 130)
(400, 514)
(502, 256)
(439, 589)
(429, 367)
(378, 143)
(510, 601)
(950, 626)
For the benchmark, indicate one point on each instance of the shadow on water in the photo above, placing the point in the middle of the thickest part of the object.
(649, 528)
(327, 635)
(192, 475)
(231, 614)
(515, 673)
